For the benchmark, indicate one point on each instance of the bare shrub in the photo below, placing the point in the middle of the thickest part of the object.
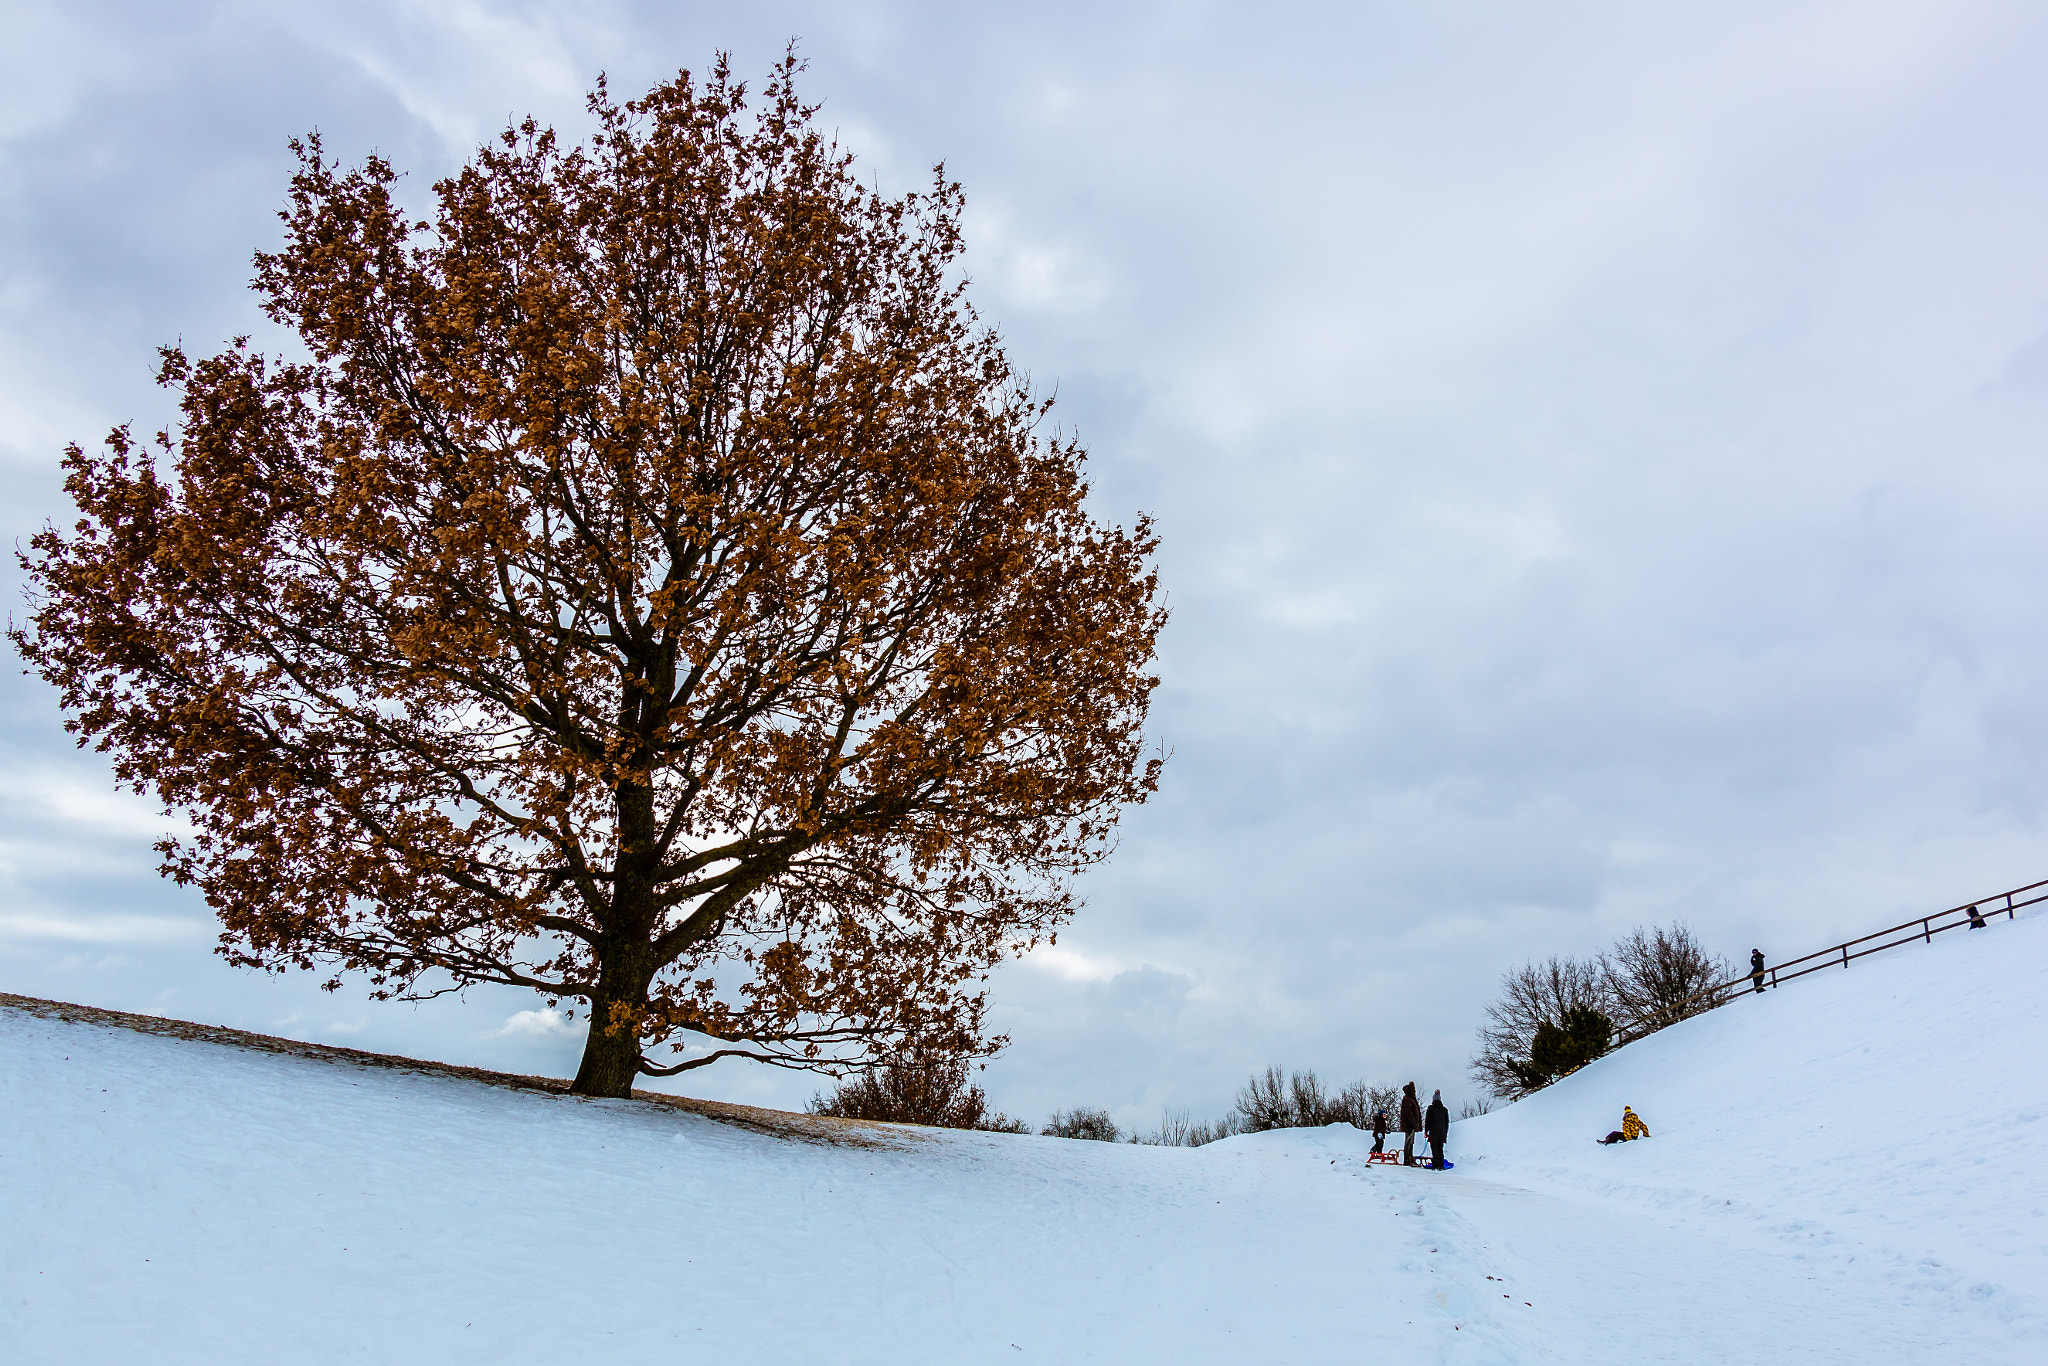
(1173, 1131)
(1275, 1100)
(1472, 1109)
(1177, 1130)
(1307, 1099)
(1226, 1127)
(1265, 1102)
(922, 1089)
(1659, 976)
(1357, 1103)
(1082, 1122)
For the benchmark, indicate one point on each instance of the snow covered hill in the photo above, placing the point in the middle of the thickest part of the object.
(1849, 1169)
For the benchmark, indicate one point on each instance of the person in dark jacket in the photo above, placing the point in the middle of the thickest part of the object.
(1379, 1131)
(1756, 969)
(1437, 1126)
(1411, 1120)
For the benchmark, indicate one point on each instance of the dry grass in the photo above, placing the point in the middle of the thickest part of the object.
(826, 1129)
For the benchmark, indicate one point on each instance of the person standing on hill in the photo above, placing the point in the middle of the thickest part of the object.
(1411, 1120)
(1379, 1131)
(1437, 1126)
(1756, 969)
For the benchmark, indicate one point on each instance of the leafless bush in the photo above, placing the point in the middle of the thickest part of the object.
(1275, 1100)
(1307, 1099)
(1266, 1102)
(1472, 1109)
(1226, 1127)
(1657, 977)
(1173, 1132)
(1082, 1122)
(1176, 1130)
(920, 1089)
(1358, 1102)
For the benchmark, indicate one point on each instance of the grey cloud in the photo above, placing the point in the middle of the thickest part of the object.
(1597, 451)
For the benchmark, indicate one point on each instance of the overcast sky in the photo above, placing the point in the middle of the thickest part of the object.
(1598, 450)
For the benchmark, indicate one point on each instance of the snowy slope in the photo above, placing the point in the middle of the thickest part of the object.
(166, 1201)
(1803, 1199)
(1878, 1134)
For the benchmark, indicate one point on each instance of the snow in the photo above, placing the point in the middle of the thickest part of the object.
(1848, 1169)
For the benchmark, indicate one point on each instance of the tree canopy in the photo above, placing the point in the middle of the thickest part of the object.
(651, 585)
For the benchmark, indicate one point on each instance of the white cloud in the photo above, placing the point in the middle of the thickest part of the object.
(86, 928)
(547, 1023)
(1071, 965)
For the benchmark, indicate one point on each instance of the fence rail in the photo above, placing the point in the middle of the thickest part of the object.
(1923, 930)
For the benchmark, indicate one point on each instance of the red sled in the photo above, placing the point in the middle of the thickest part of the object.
(1383, 1157)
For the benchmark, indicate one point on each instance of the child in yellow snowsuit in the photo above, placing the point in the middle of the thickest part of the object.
(1631, 1127)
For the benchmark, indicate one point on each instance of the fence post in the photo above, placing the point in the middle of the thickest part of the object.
(1845, 955)
(1926, 932)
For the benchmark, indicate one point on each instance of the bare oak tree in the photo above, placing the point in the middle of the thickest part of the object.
(651, 586)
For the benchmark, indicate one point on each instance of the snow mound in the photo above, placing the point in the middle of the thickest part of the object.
(1850, 1169)
(1885, 1123)
(1328, 1140)
(167, 1201)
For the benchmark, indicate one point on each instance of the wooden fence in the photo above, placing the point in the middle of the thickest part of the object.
(1922, 931)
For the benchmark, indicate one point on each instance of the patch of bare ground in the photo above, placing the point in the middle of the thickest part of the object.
(856, 1133)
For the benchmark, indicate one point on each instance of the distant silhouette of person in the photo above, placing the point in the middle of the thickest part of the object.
(1976, 921)
(1756, 969)
(1436, 1124)
(1411, 1120)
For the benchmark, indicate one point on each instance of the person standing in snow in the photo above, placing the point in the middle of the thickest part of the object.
(1379, 1131)
(1631, 1127)
(1756, 969)
(1437, 1126)
(1411, 1120)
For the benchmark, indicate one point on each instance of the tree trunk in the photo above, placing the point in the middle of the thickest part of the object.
(626, 967)
(611, 1060)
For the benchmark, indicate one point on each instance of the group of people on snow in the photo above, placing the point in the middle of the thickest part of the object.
(1434, 1124)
